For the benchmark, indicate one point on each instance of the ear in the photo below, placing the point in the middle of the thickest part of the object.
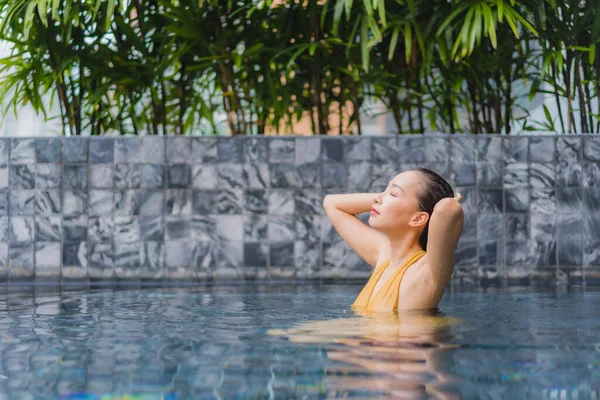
(420, 218)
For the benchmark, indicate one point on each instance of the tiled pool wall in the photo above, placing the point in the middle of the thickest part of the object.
(229, 208)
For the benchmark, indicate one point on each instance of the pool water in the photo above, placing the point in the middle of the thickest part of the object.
(297, 341)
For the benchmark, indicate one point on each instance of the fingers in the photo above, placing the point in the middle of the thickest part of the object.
(458, 197)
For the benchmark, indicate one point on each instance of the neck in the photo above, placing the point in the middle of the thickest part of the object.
(403, 248)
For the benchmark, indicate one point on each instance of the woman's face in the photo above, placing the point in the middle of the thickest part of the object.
(396, 208)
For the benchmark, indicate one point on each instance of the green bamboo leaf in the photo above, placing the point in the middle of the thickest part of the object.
(42, 9)
(511, 23)
(110, 9)
(368, 7)
(393, 43)
(337, 16)
(348, 5)
(55, 5)
(592, 54)
(450, 18)
(466, 28)
(476, 30)
(524, 22)
(312, 49)
(28, 20)
(407, 42)
(549, 118)
(381, 10)
(364, 42)
(500, 5)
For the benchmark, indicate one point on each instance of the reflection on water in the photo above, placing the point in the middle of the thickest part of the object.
(397, 354)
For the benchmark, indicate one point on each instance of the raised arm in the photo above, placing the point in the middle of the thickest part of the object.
(342, 210)
(445, 228)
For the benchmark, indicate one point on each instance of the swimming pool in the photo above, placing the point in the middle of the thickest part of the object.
(297, 341)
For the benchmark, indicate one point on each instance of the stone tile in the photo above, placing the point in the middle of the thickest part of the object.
(463, 174)
(179, 149)
(179, 201)
(332, 254)
(21, 230)
(101, 229)
(153, 176)
(22, 202)
(127, 260)
(310, 175)
(179, 253)
(4, 229)
(516, 226)
(179, 176)
(568, 174)
(204, 228)
(469, 225)
(307, 201)
(48, 176)
(542, 175)
(359, 176)
(204, 150)
(281, 202)
(489, 148)
(591, 227)
(281, 228)
(411, 148)
(75, 260)
(285, 176)
(153, 149)
(101, 202)
(591, 199)
(543, 227)
(127, 176)
(228, 255)
(256, 254)
(152, 260)
(333, 149)
(464, 148)
(75, 149)
(516, 175)
(127, 149)
(75, 176)
(282, 150)
(256, 150)
(204, 176)
(75, 228)
(229, 201)
(102, 176)
(257, 176)
(22, 151)
(127, 229)
(568, 199)
(437, 150)
(3, 259)
(257, 201)
(230, 176)
(490, 227)
(469, 198)
(255, 227)
(307, 150)
(3, 202)
(308, 227)
(569, 226)
(489, 252)
(101, 260)
(307, 257)
(591, 148)
(543, 253)
(590, 176)
(282, 254)
(4, 145)
(22, 176)
(47, 202)
(152, 228)
(516, 149)
(4, 173)
(75, 202)
(542, 149)
(570, 252)
(49, 150)
(230, 149)
(152, 202)
(102, 150)
(382, 174)
(384, 150)
(568, 149)
(127, 202)
(543, 201)
(48, 259)
(591, 252)
(20, 262)
(489, 200)
(229, 227)
(177, 227)
(204, 201)
(516, 200)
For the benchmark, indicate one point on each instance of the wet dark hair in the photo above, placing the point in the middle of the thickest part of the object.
(435, 188)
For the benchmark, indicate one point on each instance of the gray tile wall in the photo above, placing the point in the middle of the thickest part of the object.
(202, 208)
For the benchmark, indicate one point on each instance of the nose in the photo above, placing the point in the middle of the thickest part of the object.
(377, 198)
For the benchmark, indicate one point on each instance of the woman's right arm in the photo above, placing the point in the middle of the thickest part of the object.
(342, 210)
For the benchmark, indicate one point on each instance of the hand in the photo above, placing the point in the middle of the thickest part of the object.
(458, 197)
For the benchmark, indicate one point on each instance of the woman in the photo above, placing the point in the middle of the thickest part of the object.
(416, 222)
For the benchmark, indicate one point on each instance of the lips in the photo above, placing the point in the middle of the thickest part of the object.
(374, 211)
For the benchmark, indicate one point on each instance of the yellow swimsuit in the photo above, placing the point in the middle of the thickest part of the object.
(386, 297)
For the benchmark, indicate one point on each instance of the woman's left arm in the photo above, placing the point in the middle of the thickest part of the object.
(445, 228)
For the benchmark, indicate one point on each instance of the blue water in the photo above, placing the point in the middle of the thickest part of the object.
(287, 341)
